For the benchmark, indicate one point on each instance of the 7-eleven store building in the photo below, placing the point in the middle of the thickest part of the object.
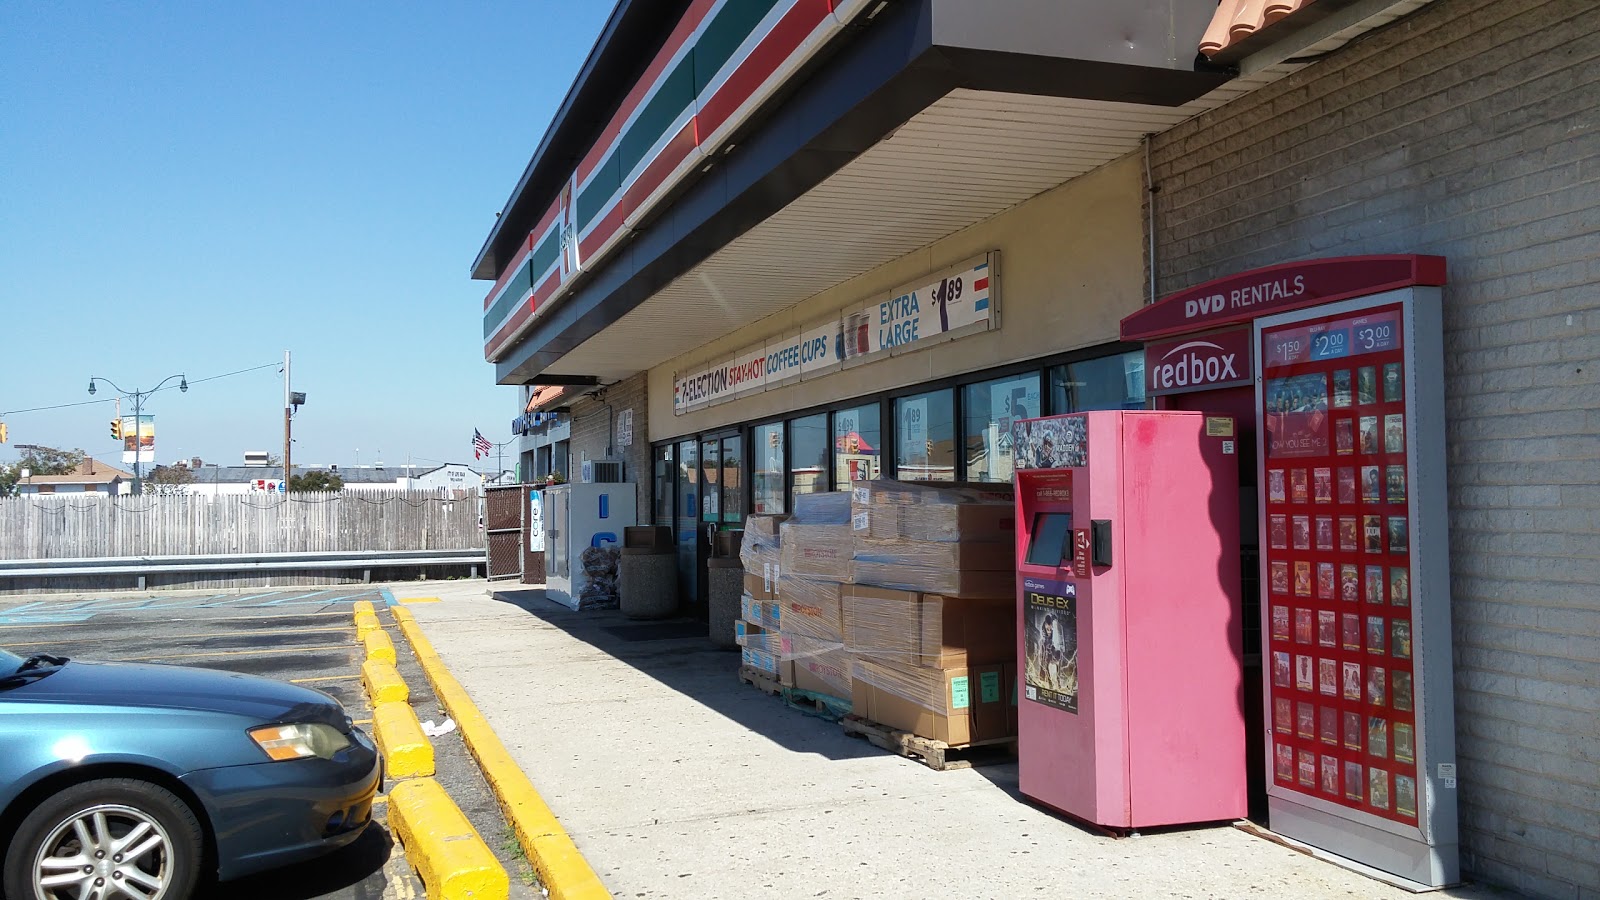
(769, 247)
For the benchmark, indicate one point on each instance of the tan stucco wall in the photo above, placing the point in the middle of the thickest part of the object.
(1071, 266)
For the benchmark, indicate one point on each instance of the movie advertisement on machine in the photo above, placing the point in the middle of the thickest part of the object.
(1051, 663)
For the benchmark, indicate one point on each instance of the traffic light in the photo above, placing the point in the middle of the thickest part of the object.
(3, 435)
(116, 429)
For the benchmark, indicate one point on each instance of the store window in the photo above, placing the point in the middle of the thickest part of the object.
(808, 446)
(925, 437)
(1109, 382)
(766, 469)
(560, 464)
(988, 409)
(857, 445)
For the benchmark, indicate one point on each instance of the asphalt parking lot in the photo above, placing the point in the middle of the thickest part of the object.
(302, 636)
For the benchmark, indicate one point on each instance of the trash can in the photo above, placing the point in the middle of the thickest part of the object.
(647, 573)
(725, 587)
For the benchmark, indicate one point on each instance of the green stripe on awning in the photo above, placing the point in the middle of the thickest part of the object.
(717, 43)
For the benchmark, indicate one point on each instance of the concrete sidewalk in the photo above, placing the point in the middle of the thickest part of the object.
(675, 780)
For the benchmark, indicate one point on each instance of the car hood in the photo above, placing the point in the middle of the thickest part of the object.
(261, 700)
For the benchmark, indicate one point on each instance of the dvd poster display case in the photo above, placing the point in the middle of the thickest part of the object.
(1359, 701)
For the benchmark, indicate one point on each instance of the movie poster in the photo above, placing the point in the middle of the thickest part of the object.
(1055, 442)
(1297, 415)
(1405, 796)
(1051, 667)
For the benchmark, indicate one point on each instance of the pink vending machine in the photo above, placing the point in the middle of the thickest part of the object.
(1130, 682)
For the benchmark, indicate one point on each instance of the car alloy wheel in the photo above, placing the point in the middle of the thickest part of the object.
(105, 852)
(111, 839)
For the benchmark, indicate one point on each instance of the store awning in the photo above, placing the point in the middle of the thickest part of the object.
(544, 397)
(906, 134)
(1236, 20)
(1256, 34)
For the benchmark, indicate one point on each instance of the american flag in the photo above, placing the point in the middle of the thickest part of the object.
(480, 445)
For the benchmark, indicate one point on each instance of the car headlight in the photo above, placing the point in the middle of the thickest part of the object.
(299, 741)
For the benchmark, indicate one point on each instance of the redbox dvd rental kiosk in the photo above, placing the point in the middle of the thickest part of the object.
(1131, 707)
(1335, 368)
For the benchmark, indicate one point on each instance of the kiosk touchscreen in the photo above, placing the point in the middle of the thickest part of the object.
(1130, 707)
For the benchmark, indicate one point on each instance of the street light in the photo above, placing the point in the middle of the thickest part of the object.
(138, 405)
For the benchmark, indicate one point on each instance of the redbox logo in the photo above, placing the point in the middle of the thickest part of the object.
(1198, 362)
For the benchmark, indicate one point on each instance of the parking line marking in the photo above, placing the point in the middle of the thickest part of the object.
(324, 678)
(360, 721)
(407, 601)
(176, 637)
(241, 652)
(293, 598)
(67, 619)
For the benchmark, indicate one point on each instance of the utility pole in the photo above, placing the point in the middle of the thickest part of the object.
(288, 413)
(499, 458)
(138, 409)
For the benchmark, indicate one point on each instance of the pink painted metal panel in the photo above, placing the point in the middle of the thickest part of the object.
(1186, 730)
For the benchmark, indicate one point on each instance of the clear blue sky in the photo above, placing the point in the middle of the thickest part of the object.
(196, 187)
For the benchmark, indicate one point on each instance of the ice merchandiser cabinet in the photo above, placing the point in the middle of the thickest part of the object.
(577, 517)
(1131, 699)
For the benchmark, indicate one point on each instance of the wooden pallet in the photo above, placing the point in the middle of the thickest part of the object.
(936, 755)
(761, 681)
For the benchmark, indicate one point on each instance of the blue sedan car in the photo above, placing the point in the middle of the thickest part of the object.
(135, 781)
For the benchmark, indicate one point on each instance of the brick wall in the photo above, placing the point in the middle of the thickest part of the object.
(1469, 130)
(593, 425)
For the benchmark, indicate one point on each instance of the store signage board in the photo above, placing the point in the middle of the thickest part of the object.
(952, 304)
(1198, 363)
(1355, 612)
(1249, 295)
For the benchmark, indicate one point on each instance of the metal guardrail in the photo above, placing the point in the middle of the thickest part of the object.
(250, 562)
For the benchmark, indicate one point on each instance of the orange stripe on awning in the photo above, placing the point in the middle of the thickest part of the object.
(544, 396)
(1236, 20)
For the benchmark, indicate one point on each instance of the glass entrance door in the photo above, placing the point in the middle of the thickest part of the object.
(722, 497)
(733, 482)
(686, 523)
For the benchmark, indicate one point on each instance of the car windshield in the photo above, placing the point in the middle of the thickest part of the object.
(9, 663)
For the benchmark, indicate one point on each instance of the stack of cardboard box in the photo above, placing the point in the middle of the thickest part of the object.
(817, 546)
(930, 620)
(793, 622)
(894, 597)
(758, 630)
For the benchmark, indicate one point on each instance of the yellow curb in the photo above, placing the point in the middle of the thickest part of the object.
(383, 683)
(363, 606)
(562, 869)
(406, 750)
(419, 599)
(447, 852)
(401, 614)
(379, 647)
(366, 623)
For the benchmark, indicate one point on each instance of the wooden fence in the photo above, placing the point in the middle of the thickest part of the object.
(78, 525)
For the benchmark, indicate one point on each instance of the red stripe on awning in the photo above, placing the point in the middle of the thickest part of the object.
(776, 47)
